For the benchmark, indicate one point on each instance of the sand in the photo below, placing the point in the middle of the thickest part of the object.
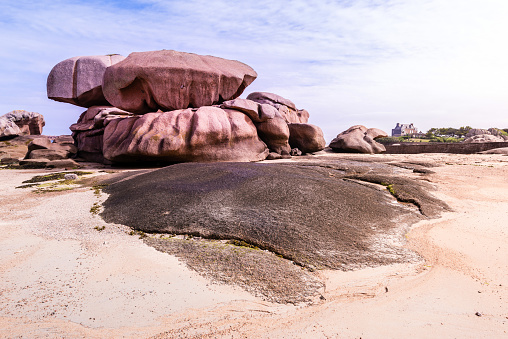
(61, 277)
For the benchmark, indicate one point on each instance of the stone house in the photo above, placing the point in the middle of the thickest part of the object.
(404, 129)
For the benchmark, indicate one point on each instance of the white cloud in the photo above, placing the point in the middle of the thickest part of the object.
(430, 62)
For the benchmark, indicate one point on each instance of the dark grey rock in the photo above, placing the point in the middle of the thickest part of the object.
(311, 214)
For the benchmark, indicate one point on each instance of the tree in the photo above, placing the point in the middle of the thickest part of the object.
(463, 131)
(448, 132)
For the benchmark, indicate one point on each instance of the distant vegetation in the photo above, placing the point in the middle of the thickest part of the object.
(444, 134)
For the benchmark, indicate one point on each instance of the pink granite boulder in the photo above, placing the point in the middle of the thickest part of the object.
(78, 80)
(285, 107)
(169, 80)
(203, 134)
(359, 139)
(275, 133)
(306, 137)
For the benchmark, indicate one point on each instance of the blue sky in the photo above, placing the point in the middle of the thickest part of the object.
(435, 63)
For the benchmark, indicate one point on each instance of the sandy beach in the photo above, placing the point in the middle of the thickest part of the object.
(63, 275)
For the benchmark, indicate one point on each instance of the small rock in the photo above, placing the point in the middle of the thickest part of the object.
(273, 156)
(296, 152)
(285, 155)
(478, 314)
(70, 176)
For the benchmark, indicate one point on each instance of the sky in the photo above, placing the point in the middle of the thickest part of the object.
(434, 63)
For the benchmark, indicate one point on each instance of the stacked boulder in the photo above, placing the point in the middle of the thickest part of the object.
(20, 122)
(359, 139)
(172, 106)
(477, 135)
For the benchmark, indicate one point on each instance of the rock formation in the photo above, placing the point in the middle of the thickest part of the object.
(359, 139)
(78, 80)
(485, 138)
(482, 135)
(177, 107)
(20, 122)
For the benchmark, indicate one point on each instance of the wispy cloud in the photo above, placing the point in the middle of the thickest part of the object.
(431, 62)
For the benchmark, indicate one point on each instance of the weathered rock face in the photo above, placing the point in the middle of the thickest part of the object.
(170, 80)
(359, 139)
(285, 107)
(20, 122)
(306, 137)
(78, 80)
(204, 134)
